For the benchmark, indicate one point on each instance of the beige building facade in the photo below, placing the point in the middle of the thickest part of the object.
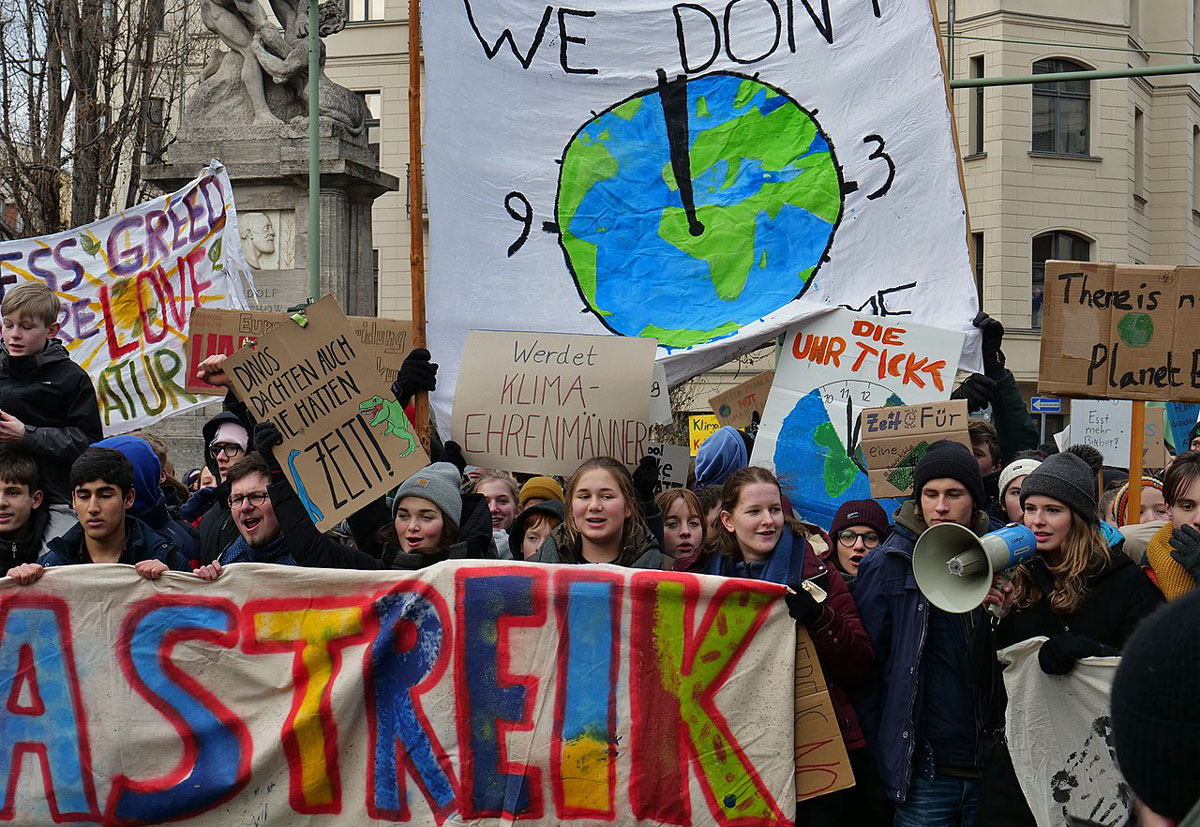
(1102, 170)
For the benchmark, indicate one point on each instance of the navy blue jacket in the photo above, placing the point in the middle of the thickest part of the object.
(896, 616)
(141, 543)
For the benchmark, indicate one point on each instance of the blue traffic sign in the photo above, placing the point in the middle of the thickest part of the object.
(1045, 405)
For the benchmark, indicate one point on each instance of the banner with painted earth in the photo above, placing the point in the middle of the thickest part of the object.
(128, 284)
(464, 693)
(702, 173)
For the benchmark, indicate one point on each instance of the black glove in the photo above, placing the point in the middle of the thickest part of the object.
(416, 374)
(645, 479)
(1059, 654)
(266, 437)
(1185, 542)
(755, 421)
(452, 453)
(802, 606)
(978, 390)
(993, 338)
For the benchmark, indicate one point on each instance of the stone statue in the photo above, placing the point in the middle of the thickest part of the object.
(262, 80)
(258, 238)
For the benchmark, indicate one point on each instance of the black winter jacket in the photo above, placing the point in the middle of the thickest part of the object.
(309, 546)
(141, 543)
(216, 527)
(16, 552)
(1118, 596)
(54, 398)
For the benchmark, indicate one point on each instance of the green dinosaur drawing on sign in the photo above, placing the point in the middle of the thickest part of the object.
(390, 413)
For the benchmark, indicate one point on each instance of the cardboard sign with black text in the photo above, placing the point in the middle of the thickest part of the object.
(346, 441)
(387, 341)
(738, 405)
(1121, 332)
(542, 403)
(895, 439)
(822, 763)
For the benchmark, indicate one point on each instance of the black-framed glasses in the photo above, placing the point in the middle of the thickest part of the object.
(847, 538)
(230, 449)
(256, 499)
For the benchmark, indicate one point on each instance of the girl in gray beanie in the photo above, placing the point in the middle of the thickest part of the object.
(426, 516)
(1077, 592)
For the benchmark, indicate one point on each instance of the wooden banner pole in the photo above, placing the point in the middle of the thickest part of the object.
(416, 207)
(1133, 509)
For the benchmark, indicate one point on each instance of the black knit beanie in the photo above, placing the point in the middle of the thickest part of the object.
(1156, 709)
(1068, 479)
(955, 461)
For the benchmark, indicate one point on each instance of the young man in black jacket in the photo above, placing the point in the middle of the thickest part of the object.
(47, 402)
(23, 521)
(273, 526)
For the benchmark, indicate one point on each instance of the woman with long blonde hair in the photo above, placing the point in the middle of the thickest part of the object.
(1083, 596)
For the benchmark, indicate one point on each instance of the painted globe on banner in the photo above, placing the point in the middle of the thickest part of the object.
(691, 264)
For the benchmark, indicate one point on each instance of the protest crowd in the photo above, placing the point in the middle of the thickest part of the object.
(916, 689)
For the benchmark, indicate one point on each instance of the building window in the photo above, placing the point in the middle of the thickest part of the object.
(373, 102)
(359, 11)
(976, 113)
(1196, 168)
(156, 15)
(1061, 110)
(977, 260)
(1139, 154)
(1060, 246)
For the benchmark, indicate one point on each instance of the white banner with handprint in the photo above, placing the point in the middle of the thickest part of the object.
(1059, 734)
(702, 173)
(128, 284)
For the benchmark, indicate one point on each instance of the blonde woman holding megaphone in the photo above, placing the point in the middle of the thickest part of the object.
(1083, 596)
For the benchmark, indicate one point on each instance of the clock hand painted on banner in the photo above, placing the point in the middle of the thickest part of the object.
(691, 209)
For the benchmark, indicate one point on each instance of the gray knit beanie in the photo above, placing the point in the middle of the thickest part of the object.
(1068, 479)
(437, 483)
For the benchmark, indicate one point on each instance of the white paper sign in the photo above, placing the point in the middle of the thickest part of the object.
(673, 462)
(832, 368)
(701, 173)
(660, 397)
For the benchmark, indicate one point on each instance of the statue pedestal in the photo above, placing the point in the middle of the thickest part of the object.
(269, 169)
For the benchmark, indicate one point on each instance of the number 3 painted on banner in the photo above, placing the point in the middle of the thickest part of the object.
(875, 156)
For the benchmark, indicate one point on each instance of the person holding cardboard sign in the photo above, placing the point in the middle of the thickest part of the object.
(758, 539)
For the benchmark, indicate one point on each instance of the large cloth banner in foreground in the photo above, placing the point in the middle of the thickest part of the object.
(702, 173)
(128, 284)
(464, 693)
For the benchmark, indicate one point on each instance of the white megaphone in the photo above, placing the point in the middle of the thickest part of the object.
(954, 568)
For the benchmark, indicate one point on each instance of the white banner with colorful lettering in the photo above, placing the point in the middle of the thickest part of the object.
(465, 693)
(128, 284)
(702, 173)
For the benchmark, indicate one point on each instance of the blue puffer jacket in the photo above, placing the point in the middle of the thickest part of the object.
(896, 616)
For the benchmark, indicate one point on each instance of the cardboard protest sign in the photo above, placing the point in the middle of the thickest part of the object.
(830, 370)
(127, 285)
(346, 440)
(1105, 424)
(822, 763)
(1121, 331)
(660, 397)
(673, 462)
(544, 402)
(738, 405)
(387, 341)
(704, 183)
(465, 693)
(700, 428)
(895, 439)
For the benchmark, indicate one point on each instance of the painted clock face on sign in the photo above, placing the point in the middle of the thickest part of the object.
(655, 193)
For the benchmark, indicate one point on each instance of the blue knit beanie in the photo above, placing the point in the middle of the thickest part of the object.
(720, 455)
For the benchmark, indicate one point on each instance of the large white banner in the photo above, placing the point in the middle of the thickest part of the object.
(704, 173)
(128, 284)
(466, 693)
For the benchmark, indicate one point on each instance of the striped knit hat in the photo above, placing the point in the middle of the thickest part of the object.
(1121, 508)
